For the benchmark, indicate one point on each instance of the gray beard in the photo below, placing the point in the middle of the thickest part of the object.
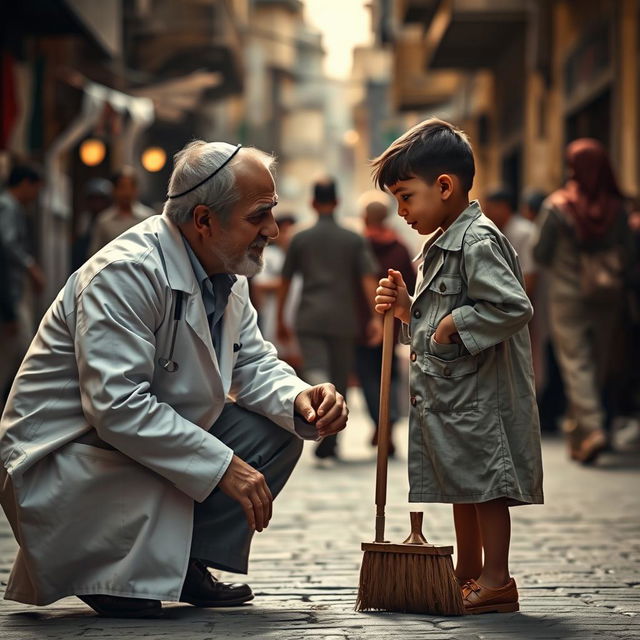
(248, 265)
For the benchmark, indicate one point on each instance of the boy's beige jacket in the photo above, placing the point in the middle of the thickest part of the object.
(91, 520)
(474, 427)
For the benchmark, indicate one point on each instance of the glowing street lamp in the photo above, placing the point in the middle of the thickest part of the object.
(92, 152)
(153, 159)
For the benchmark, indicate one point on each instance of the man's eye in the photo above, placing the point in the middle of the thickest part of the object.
(258, 217)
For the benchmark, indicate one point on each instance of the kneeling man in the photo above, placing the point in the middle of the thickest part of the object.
(150, 425)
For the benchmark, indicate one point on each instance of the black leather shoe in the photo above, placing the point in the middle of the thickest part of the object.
(201, 589)
(119, 607)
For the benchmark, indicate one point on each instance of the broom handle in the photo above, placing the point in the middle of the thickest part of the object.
(383, 424)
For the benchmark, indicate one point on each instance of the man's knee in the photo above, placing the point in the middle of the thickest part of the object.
(294, 449)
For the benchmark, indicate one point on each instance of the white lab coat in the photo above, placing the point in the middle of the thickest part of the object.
(119, 522)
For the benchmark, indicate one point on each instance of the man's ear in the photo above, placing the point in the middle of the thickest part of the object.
(202, 219)
(445, 185)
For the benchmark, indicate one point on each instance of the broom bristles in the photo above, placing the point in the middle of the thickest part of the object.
(409, 583)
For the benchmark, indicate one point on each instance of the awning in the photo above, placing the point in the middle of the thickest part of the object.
(100, 21)
(173, 98)
(473, 34)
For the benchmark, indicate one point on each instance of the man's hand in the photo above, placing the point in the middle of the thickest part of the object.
(325, 407)
(447, 332)
(243, 483)
(392, 293)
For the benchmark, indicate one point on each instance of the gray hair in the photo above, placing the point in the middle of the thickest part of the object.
(194, 163)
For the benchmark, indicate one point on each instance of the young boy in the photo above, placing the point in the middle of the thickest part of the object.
(474, 434)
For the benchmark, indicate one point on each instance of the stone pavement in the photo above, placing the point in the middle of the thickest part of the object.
(576, 560)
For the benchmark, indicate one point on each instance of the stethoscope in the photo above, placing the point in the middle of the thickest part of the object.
(169, 364)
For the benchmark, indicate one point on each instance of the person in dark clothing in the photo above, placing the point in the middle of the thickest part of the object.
(390, 253)
(335, 264)
(97, 193)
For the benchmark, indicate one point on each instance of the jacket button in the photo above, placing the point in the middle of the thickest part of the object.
(414, 401)
(443, 287)
(417, 313)
(447, 372)
(413, 356)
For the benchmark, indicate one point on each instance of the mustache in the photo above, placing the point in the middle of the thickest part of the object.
(261, 243)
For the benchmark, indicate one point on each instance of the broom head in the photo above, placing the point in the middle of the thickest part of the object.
(408, 578)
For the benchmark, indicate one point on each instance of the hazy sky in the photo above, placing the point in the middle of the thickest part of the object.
(344, 24)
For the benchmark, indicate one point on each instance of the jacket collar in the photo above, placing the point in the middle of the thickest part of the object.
(174, 255)
(451, 239)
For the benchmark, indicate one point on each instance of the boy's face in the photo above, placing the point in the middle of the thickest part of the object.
(423, 205)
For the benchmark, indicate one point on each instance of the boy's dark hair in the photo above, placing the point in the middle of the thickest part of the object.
(21, 172)
(503, 194)
(427, 150)
(324, 191)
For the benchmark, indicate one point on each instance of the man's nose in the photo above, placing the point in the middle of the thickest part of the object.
(271, 229)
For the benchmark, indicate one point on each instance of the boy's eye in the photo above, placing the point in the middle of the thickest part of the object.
(405, 197)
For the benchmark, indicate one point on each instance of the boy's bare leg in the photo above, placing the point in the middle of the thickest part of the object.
(495, 526)
(468, 542)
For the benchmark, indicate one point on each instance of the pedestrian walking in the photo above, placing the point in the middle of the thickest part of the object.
(150, 425)
(265, 287)
(520, 232)
(389, 252)
(474, 436)
(333, 263)
(97, 197)
(125, 212)
(585, 243)
(25, 276)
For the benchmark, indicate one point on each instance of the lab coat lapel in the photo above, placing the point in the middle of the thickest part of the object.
(196, 318)
(181, 277)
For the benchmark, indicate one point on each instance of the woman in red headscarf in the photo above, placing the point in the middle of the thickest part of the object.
(586, 245)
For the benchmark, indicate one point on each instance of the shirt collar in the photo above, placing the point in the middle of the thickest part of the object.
(201, 276)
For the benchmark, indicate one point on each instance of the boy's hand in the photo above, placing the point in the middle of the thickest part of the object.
(392, 293)
(447, 332)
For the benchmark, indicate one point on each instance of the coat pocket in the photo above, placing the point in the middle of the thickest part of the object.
(444, 293)
(450, 385)
(445, 351)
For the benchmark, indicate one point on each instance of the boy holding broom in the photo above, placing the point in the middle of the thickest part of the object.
(474, 434)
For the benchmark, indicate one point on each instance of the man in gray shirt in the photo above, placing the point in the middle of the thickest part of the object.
(333, 262)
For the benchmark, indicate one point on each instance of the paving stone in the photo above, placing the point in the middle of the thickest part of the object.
(576, 560)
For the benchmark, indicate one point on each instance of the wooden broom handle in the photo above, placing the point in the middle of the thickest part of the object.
(384, 427)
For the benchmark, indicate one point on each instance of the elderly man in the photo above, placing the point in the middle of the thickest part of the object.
(150, 425)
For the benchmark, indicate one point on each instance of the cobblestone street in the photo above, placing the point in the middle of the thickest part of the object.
(576, 560)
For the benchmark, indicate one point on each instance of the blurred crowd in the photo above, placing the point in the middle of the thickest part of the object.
(578, 248)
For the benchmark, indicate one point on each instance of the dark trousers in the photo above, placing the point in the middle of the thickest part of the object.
(221, 534)
(326, 359)
(368, 369)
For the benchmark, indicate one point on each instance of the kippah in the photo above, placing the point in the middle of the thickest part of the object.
(220, 168)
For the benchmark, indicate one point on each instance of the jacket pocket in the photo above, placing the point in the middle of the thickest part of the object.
(444, 351)
(450, 385)
(444, 293)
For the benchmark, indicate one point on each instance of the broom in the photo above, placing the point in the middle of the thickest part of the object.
(414, 576)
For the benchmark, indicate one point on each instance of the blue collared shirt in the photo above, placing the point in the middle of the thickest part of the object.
(215, 294)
